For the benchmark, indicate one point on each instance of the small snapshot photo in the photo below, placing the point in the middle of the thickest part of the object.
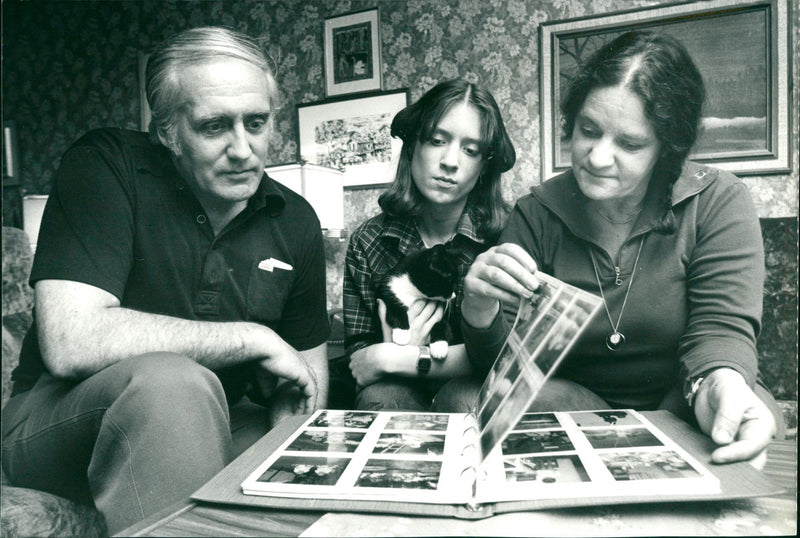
(546, 469)
(326, 441)
(617, 417)
(537, 442)
(621, 438)
(647, 465)
(423, 422)
(307, 471)
(537, 421)
(404, 474)
(410, 443)
(343, 419)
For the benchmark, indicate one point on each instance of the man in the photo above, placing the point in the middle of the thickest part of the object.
(170, 279)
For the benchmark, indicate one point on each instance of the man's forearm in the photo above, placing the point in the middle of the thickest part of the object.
(78, 340)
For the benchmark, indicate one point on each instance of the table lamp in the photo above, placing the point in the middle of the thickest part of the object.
(321, 186)
(32, 209)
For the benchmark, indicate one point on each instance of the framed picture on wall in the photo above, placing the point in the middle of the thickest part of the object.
(740, 48)
(144, 108)
(353, 134)
(352, 53)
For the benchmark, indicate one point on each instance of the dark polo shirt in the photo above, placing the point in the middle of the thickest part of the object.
(121, 218)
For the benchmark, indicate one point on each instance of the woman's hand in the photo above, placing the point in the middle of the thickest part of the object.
(733, 416)
(501, 274)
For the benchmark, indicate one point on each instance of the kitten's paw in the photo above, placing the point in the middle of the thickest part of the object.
(439, 349)
(400, 336)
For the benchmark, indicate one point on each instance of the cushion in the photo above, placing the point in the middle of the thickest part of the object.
(28, 512)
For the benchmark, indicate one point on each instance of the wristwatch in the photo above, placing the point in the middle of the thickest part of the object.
(424, 361)
(690, 387)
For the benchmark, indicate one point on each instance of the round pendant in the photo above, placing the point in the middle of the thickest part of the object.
(615, 340)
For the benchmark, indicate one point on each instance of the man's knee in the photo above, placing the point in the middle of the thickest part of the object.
(170, 374)
(162, 384)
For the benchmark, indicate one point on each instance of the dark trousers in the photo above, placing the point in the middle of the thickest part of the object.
(132, 439)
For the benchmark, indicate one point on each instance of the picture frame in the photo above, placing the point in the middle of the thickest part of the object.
(144, 107)
(747, 113)
(11, 175)
(353, 134)
(352, 53)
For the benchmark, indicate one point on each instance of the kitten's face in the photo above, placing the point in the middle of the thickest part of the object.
(438, 272)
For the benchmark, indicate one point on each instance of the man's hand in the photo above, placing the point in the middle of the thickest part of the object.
(287, 364)
(734, 417)
(500, 275)
(286, 400)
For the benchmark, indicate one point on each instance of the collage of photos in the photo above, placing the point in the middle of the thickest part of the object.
(424, 457)
(581, 449)
(352, 453)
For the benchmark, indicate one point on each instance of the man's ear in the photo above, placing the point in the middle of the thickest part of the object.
(167, 140)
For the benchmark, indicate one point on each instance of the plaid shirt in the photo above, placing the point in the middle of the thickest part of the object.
(375, 247)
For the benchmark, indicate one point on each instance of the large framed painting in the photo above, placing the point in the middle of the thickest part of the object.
(353, 134)
(352, 53)
(741, 48)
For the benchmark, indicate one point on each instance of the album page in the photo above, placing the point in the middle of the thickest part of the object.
(402, 456)
(604, 453)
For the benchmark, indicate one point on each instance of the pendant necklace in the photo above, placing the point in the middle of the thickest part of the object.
(616, 339)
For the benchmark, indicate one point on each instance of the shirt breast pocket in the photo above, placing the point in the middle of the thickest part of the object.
(267, 292)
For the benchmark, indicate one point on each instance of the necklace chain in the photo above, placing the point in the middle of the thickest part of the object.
(616, 338)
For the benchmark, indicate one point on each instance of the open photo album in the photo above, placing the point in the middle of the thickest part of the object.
(434, 458)
(496, 453)
(497, 458)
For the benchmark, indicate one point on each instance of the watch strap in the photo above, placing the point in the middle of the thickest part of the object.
(691, 387)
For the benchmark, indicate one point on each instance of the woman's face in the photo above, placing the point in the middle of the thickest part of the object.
(446, 167)
(614, 146)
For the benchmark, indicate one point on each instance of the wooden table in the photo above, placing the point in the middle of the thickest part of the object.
(764, 516)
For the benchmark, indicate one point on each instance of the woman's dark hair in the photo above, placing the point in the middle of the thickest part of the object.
(661, 72)
(418, 121)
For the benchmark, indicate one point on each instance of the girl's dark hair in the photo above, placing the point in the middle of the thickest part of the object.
(660, 71)
(417, 122)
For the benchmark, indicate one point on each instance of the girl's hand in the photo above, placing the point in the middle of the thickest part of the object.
(374, 362)
(422, 316)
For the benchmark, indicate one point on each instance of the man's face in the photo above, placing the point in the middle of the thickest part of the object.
(222, 134)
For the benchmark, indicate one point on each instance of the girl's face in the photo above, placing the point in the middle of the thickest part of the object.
(446, 167)
(614, 146)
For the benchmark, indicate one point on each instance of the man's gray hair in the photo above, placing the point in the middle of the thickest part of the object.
(196, 45)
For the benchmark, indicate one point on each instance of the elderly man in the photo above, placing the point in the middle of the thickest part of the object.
(175, 285)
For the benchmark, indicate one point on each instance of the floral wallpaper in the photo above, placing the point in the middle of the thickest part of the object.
(70, 66)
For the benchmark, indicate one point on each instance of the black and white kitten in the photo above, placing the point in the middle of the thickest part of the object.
(430, 274)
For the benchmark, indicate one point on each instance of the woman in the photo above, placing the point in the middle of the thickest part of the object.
(673, 248)
(447, 190)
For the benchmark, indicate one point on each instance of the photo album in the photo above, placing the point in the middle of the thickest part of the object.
(499, 452)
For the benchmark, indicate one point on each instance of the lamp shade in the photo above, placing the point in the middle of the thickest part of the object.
(32, 209)
(321, 186)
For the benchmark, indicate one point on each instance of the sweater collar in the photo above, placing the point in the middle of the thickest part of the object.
(570, 208)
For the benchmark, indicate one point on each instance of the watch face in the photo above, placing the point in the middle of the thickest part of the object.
(424, 365)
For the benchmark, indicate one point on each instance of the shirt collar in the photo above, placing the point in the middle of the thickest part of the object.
(570, 208)
(405, 231)
(268, 195)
